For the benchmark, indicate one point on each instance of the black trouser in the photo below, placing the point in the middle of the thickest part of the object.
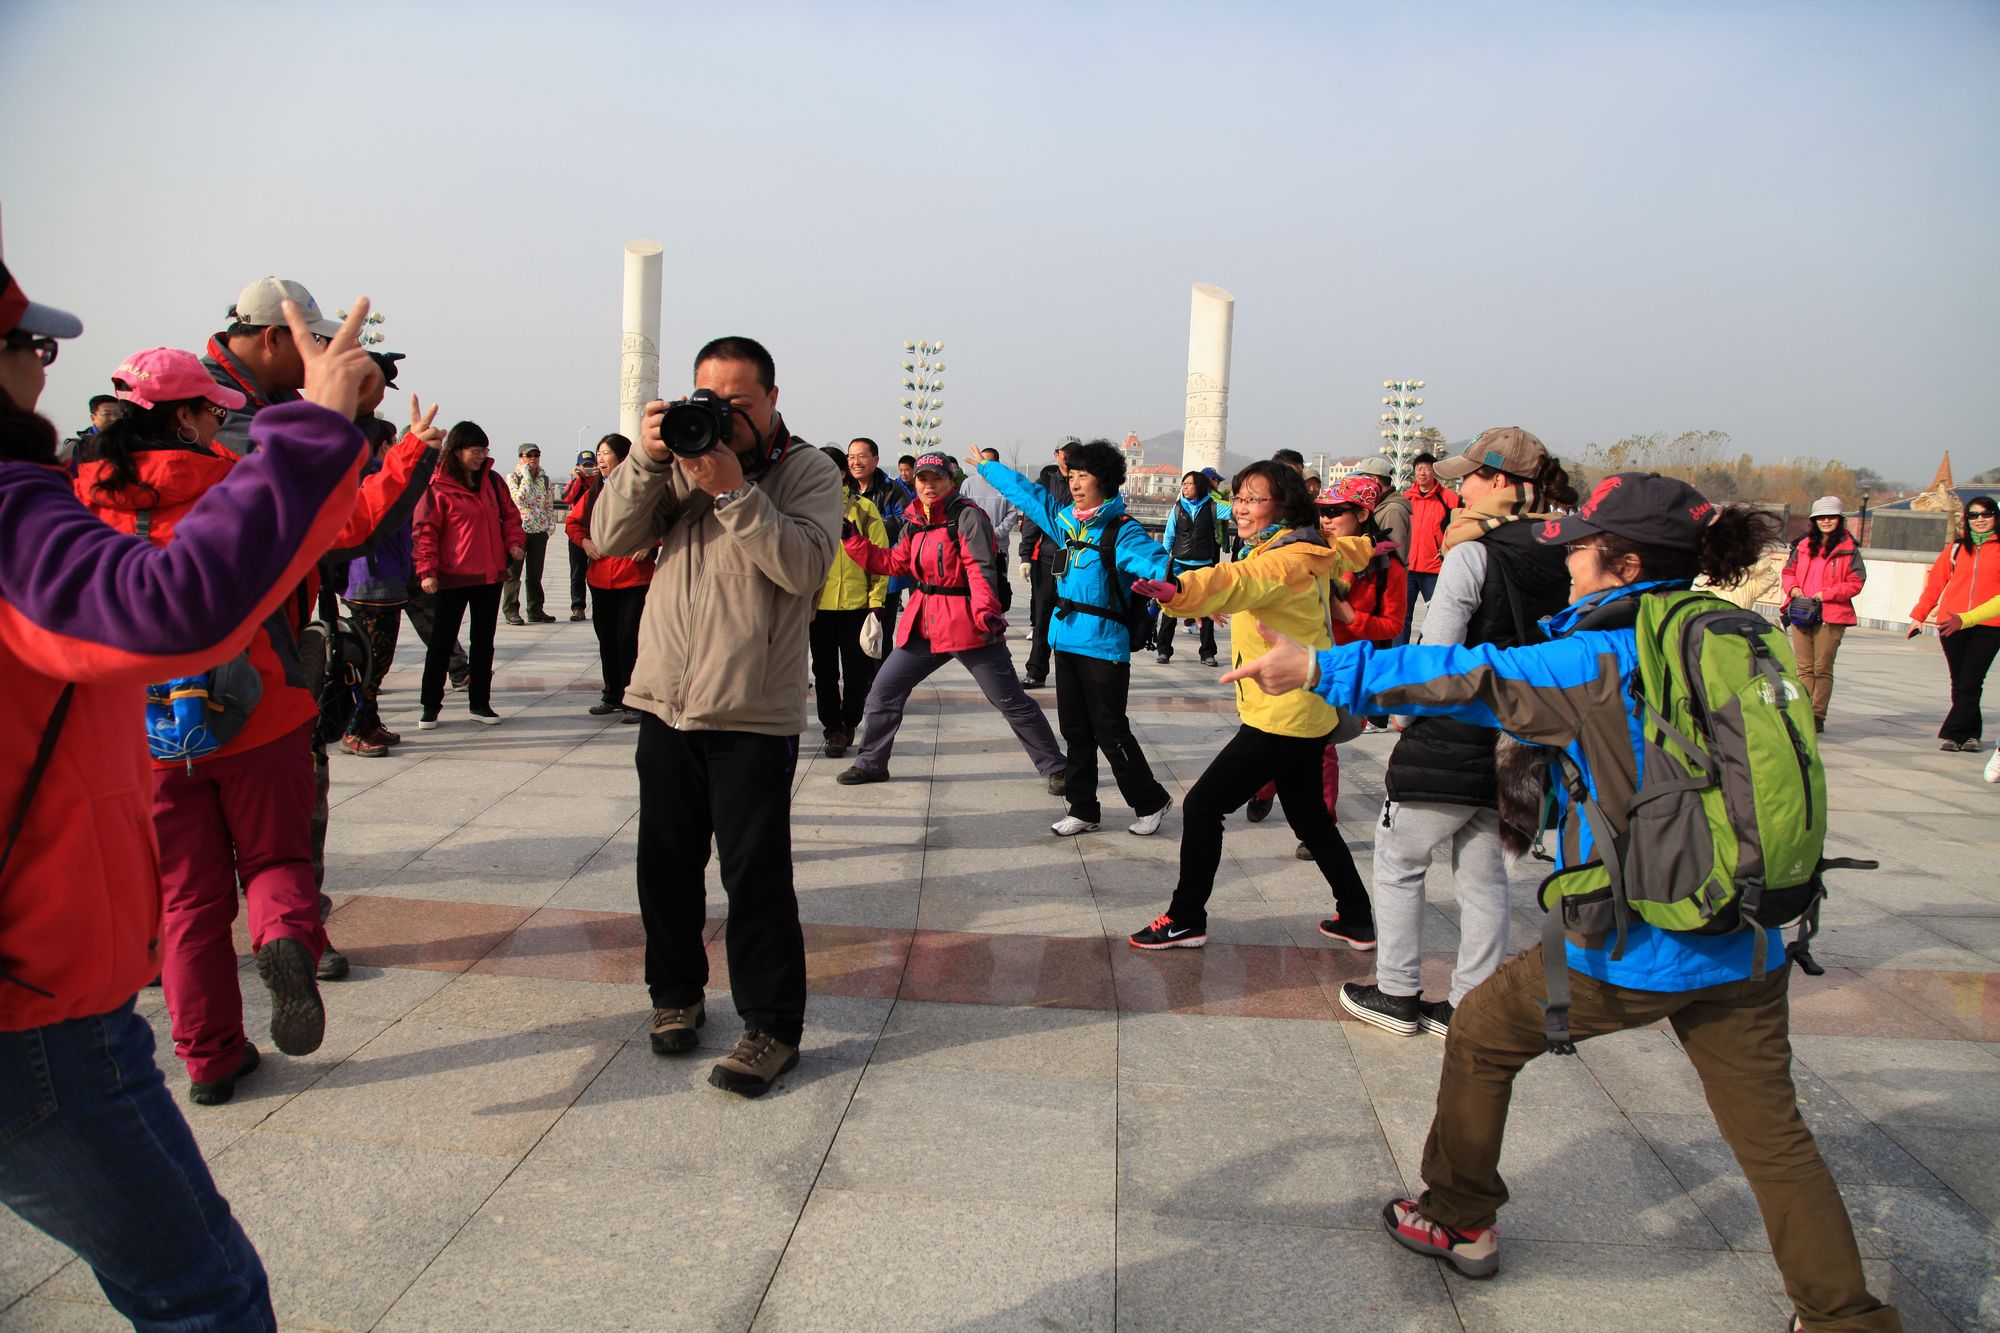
(1251, 759)
(422, 611)
(452, 603)
(379, 621)
(535, 551)
(617, 626)
(734, 787)
(1164, 636)
(579, 572)
(1969, 655)
(1042, 605)
(1090, 713)
(835, 640)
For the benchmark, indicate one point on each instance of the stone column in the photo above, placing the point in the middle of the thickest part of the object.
(639, 348)
(1210, 322)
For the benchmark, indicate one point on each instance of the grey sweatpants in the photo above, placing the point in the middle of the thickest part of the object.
(905, 669)
(1403, 844)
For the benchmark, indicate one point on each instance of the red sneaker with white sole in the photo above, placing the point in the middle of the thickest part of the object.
(1472, 1253)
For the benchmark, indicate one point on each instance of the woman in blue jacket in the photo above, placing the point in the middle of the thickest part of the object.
(1636, 533)
(1092, 646)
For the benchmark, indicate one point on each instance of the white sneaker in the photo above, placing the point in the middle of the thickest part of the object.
(1993, 764)
(1069, 826)
(427, 723)
(1145, 826)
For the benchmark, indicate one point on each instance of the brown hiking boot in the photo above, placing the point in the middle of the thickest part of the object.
(755, 1064)
(673, 1029)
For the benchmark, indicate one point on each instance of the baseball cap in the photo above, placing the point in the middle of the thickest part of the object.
(1356, 489)
(262, 304)
(1828, 506)
(527, 449)
(1644, 507)
(1374, 467)
(20, 315)
(937, 463)
(169, 375)
(586, 458)
(1507, 448)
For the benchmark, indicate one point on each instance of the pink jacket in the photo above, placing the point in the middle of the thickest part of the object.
(949, 556)
(463, 533)
(1835, 578)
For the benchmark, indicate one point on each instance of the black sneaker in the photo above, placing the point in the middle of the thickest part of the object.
(1257, 810)
(602, 709)
(631, 717)
(298, 1018)
(1353, 935)
(1166, 657)
(219, 1090)
(1164, 933)
(1302, 853)
(1400, 1014)
(484, 716)
(332, 965)
(855, 775)
(1435, 1015)
(1034, 682)
(1058, 784)
(1209, 661)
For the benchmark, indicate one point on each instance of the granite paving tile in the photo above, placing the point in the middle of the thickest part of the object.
(1965, 1161)
(407, 932)
(563, 944)
(1249, 980)
(1238, 1054)
(37, 1314)
(1937, 1084)
(968, 967)
(1569, 1288)
(1036, 1042)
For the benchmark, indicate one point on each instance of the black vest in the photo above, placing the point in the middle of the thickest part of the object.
(1449, 762)
(1194, 536)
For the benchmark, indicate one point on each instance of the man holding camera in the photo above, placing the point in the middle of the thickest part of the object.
(748, 522)
(582, 481)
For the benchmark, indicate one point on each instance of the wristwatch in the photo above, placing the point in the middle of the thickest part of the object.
(728, 498)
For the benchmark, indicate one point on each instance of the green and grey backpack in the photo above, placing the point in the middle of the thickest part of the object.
(1727, 830)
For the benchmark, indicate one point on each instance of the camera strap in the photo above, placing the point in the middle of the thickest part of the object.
(769, 455)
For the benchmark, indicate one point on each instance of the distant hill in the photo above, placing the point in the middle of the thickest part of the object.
(1166, 448)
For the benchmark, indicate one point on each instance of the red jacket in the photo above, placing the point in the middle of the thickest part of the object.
(1378, 595)
(1428, 516)
(610, 571)
(1963, 579)
(1841, 575)
(83, 604)
(941, 551)
(463, 534)
(171, 481)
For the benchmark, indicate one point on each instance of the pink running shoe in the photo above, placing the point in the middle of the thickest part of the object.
(1473, 1253)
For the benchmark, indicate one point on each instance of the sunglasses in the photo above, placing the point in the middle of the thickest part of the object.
(1974, 515)
(218, 411)
(532, 453)
(45, 348)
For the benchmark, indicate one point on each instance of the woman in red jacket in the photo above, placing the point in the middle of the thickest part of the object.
(617, 585)
(1964, 590)
(467, 531)
(1821, 578)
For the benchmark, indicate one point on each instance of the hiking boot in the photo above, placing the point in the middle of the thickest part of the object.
(673, 1029)
(1435, 1015)
(365, 748)
(1058, 784)
(1165, 934)
(1302, 853)
(631, 717)
(541, 618)
(298, 1019)
(1355, 935)
(576, 615)
(1165, 657)
(381, 735)
(755, 1064)
(486, 717)
(1034, 682)
(835, 746)
(1209, 660)
(1145, 826)
(1471, 1253)
(855, 775)
(216, 1091)
(1400, 1014)
(603, 708)
(332, 965)
(429, 720)
(1069, 826)
(516, 620)
(1257, 811)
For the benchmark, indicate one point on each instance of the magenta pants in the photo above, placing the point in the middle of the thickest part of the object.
(1329, 777)
(239, 818)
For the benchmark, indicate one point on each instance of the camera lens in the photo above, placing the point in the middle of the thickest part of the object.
(688, 429)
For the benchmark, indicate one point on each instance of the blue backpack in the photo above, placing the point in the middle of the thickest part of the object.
(191, 717)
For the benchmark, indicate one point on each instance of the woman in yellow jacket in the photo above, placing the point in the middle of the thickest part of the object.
(1281, 580)
(849, 597)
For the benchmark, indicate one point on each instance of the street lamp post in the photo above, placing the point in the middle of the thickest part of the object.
(923, 385)
(1399, 426)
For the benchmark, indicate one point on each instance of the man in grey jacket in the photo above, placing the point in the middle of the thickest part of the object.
(747, 531)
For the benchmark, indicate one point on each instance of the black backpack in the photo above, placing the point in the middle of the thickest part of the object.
(335, 665)
(1135, 612)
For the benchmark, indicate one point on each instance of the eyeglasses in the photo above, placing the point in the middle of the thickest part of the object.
(45, 348)
(1253, 499)
(218, 411)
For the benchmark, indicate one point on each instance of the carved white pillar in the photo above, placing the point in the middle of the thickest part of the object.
(639, 348)
(1211, 320)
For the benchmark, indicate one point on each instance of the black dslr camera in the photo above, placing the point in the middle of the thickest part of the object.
(697, 423)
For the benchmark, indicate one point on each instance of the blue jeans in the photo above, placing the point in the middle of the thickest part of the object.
(94, 1152)
(1419, 585)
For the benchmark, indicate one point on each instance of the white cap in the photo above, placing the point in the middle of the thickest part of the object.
(1828, 506)
(262, 304)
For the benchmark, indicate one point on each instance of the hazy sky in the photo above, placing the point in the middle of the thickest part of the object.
(1588, 219)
